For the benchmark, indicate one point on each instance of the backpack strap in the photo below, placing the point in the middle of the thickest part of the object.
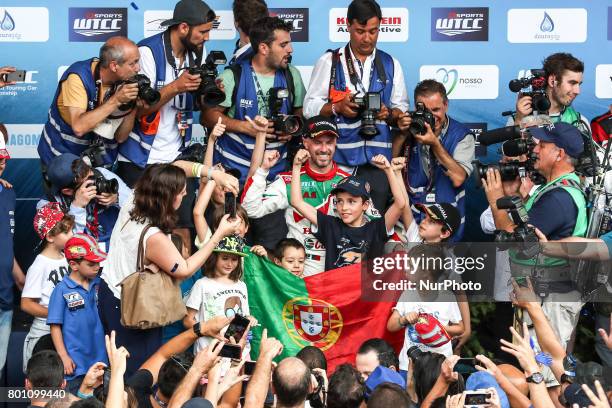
(237, 71)
(290, 85)
(563, 183)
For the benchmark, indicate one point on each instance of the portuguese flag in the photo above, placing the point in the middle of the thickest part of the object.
(323, 310)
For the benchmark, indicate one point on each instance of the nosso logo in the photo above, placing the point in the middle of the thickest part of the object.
(448, 77)
(7, 23)
(547, 25)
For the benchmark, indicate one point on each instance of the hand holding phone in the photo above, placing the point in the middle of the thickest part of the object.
(232, 351)
(230, 204)
(237, 327)
(12, 75)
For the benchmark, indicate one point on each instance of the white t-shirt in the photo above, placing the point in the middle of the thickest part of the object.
(412, 233)
(445, 312)
(41, 278)
(211, 298)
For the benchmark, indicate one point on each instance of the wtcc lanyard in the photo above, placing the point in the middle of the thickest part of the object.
(263, 106)
(170, 59)
(355, 79)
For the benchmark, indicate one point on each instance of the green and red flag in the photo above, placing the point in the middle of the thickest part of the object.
(324, 310)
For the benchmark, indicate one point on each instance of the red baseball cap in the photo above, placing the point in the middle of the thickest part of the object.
(4, 154)
(82, 246)
(46, 218)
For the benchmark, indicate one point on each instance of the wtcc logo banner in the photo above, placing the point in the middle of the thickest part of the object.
(96, 24)
(297, 17)
(393, 26)
(460, 24)
(547, 25)
(465, 81)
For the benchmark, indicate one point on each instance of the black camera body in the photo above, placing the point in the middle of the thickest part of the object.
(285, 124)
(420, 116)
(369, 106)
(145, 92)
(523, 232)
(104, 185)
(537, 85)
(508, 171)
(93, 155)
(208, 90)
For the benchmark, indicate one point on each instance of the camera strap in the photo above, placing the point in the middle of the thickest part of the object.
(172, 62)
(356, 79)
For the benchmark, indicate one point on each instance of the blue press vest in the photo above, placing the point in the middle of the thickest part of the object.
(442, 186)
(245, 56)
(137, 147)
(57, 136)
(352, 149)
(234, 150)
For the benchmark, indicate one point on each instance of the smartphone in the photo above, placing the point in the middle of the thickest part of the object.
(106, 380)
(17, 76)
(471, 362)
(237, 327)
(249, 367)
(230, 204)
(232, 351)
(476, 398)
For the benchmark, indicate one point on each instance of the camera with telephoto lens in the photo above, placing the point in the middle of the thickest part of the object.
(314, 398)
(522, 233)
(534, 86)
(369, 106)
(147, 94)
(103, 185)
(208, 91)
(285, 124)
(420, 116)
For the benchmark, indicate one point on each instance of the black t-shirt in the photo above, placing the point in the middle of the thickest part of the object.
(346, 245)
(142, 384)
(554, 214)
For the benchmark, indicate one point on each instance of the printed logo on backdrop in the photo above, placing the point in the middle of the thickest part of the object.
(23, 140)
(24, 24)
(464, 81)
(29, 86)
(603, 81)
(477, 129)
(223, 26)
(547, 25)
(460, 24)
(393, 27)
(297, 17)
(96, 24)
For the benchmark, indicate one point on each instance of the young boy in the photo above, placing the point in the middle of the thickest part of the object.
(349, 238)
(54, 229)
(76, 328)
(291, 255)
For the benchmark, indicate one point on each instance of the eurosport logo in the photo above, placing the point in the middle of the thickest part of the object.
(393, 26)
(24, 24)
(465, 81)
(603, 81)
(28, 86)
(223, 26)
(547, 25)
(477, 129)
(297, 17)
(460, 24)
(23, 140)
(96, 24)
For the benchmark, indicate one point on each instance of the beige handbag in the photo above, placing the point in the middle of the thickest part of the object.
(149, 297)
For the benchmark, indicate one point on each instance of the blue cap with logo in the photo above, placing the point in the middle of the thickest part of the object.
(354, 186)
(59, 171)
(563, 135)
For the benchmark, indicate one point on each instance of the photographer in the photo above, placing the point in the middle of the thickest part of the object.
(93, 196)
(440, 153)
(251, 88)
(563, 76)
(86, 105)
(558, 209)
(246, 13)
(360, 69)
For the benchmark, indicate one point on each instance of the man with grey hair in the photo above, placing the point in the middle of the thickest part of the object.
(89, 106)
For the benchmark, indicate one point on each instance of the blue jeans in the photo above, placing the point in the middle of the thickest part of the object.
(6, 318)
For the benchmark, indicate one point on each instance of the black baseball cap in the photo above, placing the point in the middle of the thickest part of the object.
(192, 12)
(446, 213)
(320, 125)
(354, 186)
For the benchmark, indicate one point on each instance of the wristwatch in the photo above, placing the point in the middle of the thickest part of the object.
(196, 330)
(535, 378)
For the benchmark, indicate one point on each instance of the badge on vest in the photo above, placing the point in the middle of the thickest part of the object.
(430, 198)
(74, 300)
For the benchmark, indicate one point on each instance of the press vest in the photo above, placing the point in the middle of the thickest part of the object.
(420, 185)
(137, 147)
(234, 150)
(352, 149)
(57, 135)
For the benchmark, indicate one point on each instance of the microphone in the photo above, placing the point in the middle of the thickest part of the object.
(499, 135)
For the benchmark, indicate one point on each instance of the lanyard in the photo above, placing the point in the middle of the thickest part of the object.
(263, 106)
(355, 79)
(171, 61)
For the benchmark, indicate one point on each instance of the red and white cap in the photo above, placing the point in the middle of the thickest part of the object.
(82, 246)
(430, 331)
(4, 154)
(46, 218)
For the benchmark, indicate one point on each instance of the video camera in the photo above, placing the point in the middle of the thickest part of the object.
(369, 106)
(536, 83)
(420, 116)
(208, 90)
(145, 92)
(286, 124)
(522, 232)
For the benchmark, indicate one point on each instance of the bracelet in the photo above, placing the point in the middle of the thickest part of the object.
(333, 109)
(83, 396)
(209, 174)
(196, 169)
